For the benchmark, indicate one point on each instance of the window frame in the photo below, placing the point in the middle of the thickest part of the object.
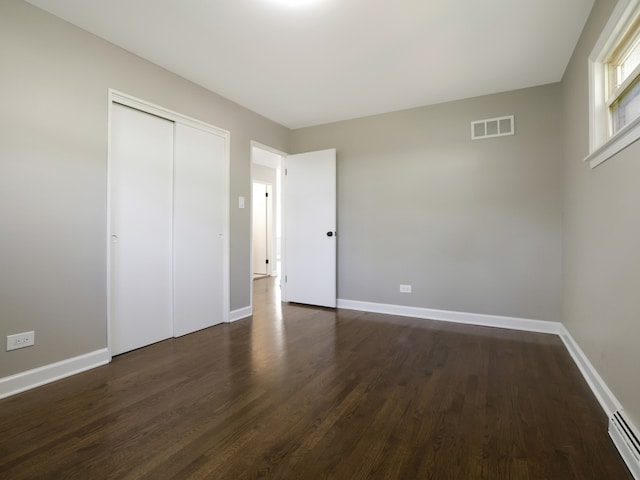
(602, 145)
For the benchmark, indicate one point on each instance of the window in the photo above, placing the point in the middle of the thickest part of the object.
(614, 84)
(623, 72)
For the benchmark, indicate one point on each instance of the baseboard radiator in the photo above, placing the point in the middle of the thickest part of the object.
(627, 441)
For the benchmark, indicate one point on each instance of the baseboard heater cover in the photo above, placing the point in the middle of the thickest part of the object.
(626, 440)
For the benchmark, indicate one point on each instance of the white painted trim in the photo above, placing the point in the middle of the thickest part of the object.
(250, 232)
(226, 233)
(107, 244)
(621, 437)
(283, 238)
(621, 140)
(262, 146)
(36, 377)
(497, 321)
(613, 29)
(240, 313)
(601, 391)
(144, 106)
(607, 399)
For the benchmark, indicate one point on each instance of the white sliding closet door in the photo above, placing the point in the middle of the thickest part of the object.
(168, 198)
(199, 219)
(140, 164)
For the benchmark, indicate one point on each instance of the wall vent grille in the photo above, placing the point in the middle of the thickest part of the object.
(493, 127)
(626, 440)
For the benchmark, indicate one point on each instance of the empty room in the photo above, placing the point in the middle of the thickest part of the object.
(447, 281)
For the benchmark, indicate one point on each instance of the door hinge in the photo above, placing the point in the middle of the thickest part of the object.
(285, 172)
(285, 279)
(267, 260)
(266, 194)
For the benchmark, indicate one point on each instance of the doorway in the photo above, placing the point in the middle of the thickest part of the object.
(266, 211)
(304, 203)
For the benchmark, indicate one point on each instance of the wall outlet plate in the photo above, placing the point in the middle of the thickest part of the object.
(405, 288)
(21, 340)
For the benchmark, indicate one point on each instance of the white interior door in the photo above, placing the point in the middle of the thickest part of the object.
(269, 234)
(198, 226)
(140, 226)
(310, 228)
(259, 204)
(262, 230)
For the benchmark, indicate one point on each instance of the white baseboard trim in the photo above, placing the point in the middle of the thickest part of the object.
(50, 373)
(625, 437)
(240, 313)
(609, 403)
(607, 399)
(36, 377)
(498, 321)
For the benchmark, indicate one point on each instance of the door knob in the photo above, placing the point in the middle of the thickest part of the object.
(329, 234)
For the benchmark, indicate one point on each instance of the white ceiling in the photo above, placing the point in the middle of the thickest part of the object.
(330, 60)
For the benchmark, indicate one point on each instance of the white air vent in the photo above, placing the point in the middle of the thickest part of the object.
(493, 127)
(627, 441)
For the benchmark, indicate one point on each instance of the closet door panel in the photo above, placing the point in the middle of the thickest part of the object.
(198, 226)
(140, 168)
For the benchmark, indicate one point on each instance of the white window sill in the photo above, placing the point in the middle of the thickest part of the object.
(621, 140)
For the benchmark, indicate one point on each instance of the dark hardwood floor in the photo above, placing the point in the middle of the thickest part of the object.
(306, 393)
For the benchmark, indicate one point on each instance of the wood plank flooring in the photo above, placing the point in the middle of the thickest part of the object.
(307, 393)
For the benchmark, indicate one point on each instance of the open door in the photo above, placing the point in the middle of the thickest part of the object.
(310, 228)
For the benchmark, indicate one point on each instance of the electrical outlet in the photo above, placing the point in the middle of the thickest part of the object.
(20, 340)
(405, 288)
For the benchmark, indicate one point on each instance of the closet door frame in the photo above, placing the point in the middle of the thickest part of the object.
(116, 97)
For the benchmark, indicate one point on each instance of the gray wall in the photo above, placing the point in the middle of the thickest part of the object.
(53, 158)
(474, 226)
(602, 227)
